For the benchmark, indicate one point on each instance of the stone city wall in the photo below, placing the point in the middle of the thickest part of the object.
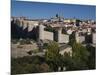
(48, 35)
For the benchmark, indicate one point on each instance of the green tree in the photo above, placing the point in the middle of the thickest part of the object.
(80, 56)
(53, 56)
(72, 39)
(67, 61)
(92, 58)
(80, 52)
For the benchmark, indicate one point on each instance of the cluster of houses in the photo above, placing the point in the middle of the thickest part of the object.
(59, 29)
(80, 27)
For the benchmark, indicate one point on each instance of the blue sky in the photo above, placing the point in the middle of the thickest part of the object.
(36, 10)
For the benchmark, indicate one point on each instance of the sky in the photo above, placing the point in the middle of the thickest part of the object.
(38, 10)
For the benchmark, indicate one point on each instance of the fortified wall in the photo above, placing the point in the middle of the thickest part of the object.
(46, 35)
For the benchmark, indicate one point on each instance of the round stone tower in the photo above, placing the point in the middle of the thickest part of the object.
(41, 32)
(77, 37)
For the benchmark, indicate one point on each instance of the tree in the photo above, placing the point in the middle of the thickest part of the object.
(80, 52)
(72, 38)
(52, 51)
(67, 62)
(52, 55)
(92, 58)
(80, 56)
(27, 64)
